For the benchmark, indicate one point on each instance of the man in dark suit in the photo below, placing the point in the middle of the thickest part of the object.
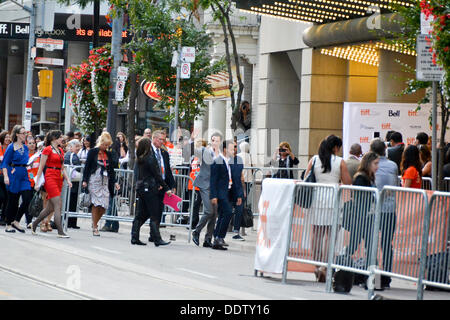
(158, 139)
(220, 187)
(395, 152)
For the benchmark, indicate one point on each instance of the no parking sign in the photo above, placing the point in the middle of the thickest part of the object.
(185, 70)
(120, 86)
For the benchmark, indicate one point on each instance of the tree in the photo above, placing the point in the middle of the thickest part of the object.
(410, 29)
(157, 33)
(222, 11)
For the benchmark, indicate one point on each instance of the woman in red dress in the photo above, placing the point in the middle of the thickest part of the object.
(52, 158)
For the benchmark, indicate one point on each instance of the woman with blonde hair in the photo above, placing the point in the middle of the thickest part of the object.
(99, 177)
(285, 159)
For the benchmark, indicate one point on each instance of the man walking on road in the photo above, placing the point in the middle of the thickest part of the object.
(206, 156)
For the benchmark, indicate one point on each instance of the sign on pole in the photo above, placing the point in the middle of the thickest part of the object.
(122, 73)
(426, 70)
(120, 86)
(185, 70)
(49, 44)
(188, 54)
(425, 23)
(49, 61)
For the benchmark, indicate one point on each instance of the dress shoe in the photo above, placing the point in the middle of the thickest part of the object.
(150, 239)
(106, 228)
(161, 242)
(223, 243)
(17, 227)
(207, 244)
(218, 246)
(64, 236)
(195, 238)
(138, 242)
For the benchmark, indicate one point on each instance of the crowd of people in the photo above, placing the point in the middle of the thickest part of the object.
(37, 164)
(381, 166)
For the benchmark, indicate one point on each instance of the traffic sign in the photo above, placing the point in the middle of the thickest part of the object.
(49, 61)
(120, 87)
(426, 70)
(122, 73)
(188, 54)
(185, 70)
(49, 44)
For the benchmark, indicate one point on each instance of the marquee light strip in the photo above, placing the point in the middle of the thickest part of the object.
(323, 11)
(365, 53)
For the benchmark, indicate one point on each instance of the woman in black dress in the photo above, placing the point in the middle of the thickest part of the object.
(148, 182)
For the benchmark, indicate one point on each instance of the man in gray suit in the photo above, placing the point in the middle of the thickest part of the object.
(202, 181)
(353, 161)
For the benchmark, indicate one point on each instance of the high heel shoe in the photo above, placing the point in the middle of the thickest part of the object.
(49, 227)
(43, 227)
(33, 231)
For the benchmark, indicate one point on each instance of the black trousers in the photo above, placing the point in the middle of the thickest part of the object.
(3, 198)
(147, 207)
(14, 213)
(196, 209)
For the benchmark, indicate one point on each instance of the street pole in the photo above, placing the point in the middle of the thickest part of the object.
(26, 120)
(116, 43)
(177, 92)
(434, 155)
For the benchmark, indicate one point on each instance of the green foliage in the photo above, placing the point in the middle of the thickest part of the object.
(157, 32)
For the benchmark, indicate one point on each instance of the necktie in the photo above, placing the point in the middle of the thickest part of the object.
(158, 156)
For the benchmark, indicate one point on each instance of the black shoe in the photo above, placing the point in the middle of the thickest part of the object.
(223, 243)
(207, 244)
(161, 242)
(195, 238)
(150, 239)
(53, 225)
(138, 242)
(218, 246)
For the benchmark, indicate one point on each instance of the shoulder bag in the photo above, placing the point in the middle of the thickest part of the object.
(306, 193)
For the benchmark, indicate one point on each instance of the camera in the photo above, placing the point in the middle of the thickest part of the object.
(283, 150)
(14, 48)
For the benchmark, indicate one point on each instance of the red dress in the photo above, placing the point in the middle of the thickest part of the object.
(53, 177)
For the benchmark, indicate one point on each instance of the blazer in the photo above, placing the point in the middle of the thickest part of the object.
(91, 166)
(219, 180)
(206, 156)
(236, 166)
(395, 154)
(148, 175)
(168, 179)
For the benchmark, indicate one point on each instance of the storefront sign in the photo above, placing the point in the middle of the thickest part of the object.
(49, 44)
(149, 89)
(13, 30)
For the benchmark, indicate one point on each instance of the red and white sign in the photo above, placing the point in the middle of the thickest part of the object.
(49, 44)
(120, 87)
(185, 70)
(122, 73)
(149, 89)
(275, 207)
(364, 121)
(49, 61)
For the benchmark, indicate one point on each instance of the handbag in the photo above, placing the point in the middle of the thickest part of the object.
(84, 199)
(36, 205)
(247, 217)
(76, 175)
(307, 194)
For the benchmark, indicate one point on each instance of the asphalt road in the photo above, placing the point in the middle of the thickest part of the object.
(109, 267)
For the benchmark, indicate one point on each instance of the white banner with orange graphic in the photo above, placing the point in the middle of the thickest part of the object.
(275, 206)
(364, 121)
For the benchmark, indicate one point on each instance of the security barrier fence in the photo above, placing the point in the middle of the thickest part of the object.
(123, 203)
(398, 233)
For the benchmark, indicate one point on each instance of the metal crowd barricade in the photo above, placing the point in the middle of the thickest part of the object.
(182, 218)
(435, 258)
(259, 174)
(351, 232)
(314, 206)
(396, 251)
(427, 183)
